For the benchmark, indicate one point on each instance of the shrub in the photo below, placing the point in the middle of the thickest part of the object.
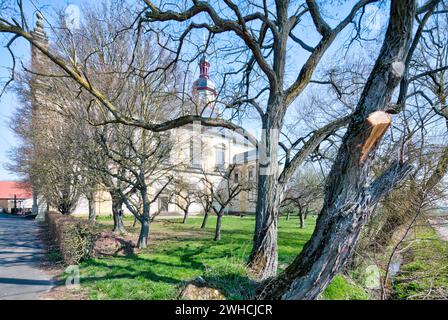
(74, 238)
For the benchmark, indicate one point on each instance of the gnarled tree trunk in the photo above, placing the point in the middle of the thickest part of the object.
(263, 260)
(349, 199)
(117, 213)
(184, 220)
(145, 221)
(92, 208)
(204, 220)
(301, 219)
(144, 234)
(218, 227)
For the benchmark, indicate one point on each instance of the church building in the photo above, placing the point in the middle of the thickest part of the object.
(199, 154)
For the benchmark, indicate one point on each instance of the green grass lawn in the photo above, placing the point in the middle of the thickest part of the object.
(180, 252)
(424, 273)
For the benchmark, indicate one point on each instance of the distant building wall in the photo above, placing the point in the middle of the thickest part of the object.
(211, 141)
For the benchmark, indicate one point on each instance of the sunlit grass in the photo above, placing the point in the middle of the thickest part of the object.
(424, 273)
(180, 252)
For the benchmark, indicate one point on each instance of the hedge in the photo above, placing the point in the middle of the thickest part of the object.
(75, 238)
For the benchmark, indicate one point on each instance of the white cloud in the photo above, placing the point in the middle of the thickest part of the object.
(72, 16)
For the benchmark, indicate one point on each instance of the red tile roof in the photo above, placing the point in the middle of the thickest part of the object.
(10, 188)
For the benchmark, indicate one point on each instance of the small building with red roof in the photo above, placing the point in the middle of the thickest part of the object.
(14, 194)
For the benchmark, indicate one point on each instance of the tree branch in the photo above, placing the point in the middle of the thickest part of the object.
(309, 146)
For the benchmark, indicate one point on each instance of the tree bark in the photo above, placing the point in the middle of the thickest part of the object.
(117, 213)
(263, 260)
(218, 227)
(185, 214)
(301, 216)
(92, 208)
(301, 219)
(204, 220)
(349, 198)
(145, 221)
(144, 234)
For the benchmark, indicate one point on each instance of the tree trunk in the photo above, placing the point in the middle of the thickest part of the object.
(144, 234)
(117, 213)
(218, 227)
(349, 198)
(92, 208)
(145, 222)
(301, 219)
(288, 214)
(263, 259)
(185, 215)
(204, 220)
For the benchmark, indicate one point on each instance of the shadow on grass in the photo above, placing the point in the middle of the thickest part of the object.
(116, 271)
(179, 253)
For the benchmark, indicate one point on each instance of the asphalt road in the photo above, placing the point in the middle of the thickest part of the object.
(20, 254)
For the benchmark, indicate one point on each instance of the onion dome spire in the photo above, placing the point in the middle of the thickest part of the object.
(204, 91)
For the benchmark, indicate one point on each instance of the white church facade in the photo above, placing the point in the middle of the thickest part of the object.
(200, 153)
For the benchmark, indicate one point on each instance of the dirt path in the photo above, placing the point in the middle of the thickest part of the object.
(20, 254)
(440, 225)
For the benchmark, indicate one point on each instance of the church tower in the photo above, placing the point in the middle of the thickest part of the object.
(40, 37)
(39, 62)
(38, 65)
(204, 91)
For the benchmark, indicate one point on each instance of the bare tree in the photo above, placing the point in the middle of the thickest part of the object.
(223, 193)
(140, 156)
(183, 195)
(304, 191)
(265, 34)
(204, 197)
(48, 159)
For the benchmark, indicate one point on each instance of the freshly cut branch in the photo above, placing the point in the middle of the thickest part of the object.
(377, 124)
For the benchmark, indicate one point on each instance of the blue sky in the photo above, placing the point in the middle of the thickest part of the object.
(8, 103)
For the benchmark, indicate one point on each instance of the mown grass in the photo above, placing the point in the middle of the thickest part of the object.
(342, 288)
(180, 252)
(424, 273)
